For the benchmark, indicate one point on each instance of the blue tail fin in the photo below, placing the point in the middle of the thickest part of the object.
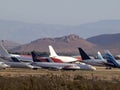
(14, 59)
(35, 57)
(111, 59)
(83, 54)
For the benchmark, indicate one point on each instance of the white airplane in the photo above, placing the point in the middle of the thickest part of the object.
(94, 62)
(48, 62)
(13, 60)
(57, 58)
(4, 54)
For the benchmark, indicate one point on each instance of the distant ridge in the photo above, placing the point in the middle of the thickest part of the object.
(107, 41)
(65, 44)
(69, 44)
(24, 32)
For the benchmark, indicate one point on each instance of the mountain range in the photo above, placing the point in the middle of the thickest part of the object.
(65, 44)
(70, 43)
(23, 32)
(42, 35)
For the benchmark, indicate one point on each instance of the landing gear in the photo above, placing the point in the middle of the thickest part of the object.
(108, 67)
(35, 68)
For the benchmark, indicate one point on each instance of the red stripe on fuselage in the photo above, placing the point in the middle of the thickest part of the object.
(57, 60)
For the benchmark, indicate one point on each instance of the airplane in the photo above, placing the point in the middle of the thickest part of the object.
(13, 60)
(52, 65)
(57, 58)
(4, 54)
(110, 65)
(95, 62)
(49, 62)
(111, 59)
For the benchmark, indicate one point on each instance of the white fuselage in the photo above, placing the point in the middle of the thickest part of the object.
(56, 65)
(95, 62)
(64, 66)
(65, 59)
(22, 58)
(86, 67)
(17, 65)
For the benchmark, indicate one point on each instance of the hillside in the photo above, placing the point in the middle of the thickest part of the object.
(66, 44)
(107, 41)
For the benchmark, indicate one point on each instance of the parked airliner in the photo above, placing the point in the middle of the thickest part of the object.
(57, 58)
(49, 62)
(88, 60)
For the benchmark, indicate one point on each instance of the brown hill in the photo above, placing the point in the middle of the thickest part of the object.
(107, 41)
(66, 44)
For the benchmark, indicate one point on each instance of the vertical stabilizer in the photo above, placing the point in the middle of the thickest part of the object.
(100, 56)
(38, 58)
(35, 57)
(52, 52)
(3, 51)
(111, 59)
(83, 54)
(14, 59)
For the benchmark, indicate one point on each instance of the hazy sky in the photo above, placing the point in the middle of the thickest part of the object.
(68, 12)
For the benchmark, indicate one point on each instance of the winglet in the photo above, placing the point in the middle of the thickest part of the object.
(83, 54)
(52, 52)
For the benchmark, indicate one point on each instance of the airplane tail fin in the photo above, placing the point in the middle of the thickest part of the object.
(14, 59)
(40, 58)
(35, 57)
(110, 58)
(52, 51)
(27, 64)
(83, 54)
(3, 51)
(100, 56)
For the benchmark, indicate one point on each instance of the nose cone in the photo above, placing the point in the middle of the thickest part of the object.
(93, 68)
(6, 66)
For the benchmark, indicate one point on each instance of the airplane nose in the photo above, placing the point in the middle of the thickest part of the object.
(93, 68)
(6, 66)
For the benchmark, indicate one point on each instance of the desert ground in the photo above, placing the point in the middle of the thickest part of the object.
(101, 73)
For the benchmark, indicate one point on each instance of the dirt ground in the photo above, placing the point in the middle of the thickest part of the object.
(101, 73)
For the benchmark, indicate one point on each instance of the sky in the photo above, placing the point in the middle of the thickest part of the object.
(62, 12)
(67, 12)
